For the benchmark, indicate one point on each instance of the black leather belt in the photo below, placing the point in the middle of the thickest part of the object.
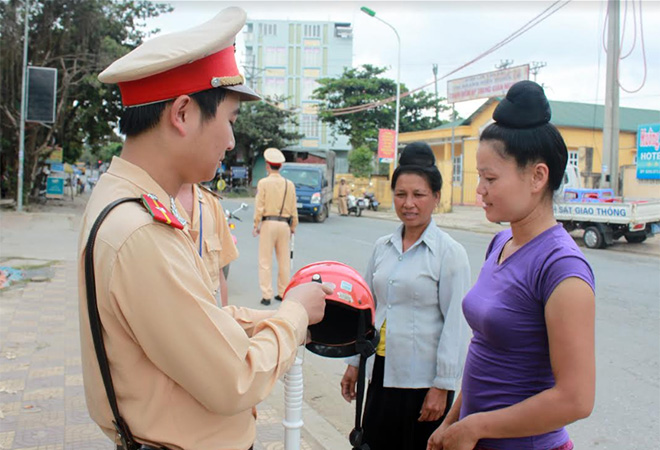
(277, 218)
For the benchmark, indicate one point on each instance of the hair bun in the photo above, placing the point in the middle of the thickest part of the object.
(525, 106)
(417, 154)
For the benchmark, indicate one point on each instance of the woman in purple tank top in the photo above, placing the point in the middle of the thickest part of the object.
(530, 368)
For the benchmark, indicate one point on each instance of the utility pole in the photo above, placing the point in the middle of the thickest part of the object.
(21, 138)
(504, 64)
(610, 170)
(535, 67)
(437, 105)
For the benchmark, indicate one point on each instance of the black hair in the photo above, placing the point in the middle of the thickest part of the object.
(531, 145)
(418, 158)
(522, 126)
(138, 119)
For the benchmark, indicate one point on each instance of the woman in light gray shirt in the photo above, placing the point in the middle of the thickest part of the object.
(418, 277)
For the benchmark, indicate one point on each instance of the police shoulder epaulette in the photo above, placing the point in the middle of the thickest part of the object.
(205, 189)
(159, 212)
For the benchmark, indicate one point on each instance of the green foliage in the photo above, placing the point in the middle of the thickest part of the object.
(261, 125)
(360, 161)
(359, 86)
(109, 150)
(79, 39)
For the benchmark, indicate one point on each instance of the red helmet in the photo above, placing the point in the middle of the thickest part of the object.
(348, 324)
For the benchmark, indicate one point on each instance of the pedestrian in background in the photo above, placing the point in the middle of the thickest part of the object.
(210, 230)
(275, 220)
(530, 368)
(185, 373)
(342, 192)
(418, 276)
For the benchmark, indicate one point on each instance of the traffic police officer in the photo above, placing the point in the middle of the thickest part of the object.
(275, 220)
(342, 192)
(185, 372)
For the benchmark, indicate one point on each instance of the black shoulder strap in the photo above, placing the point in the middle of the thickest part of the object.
(95, 324)
(286, 186)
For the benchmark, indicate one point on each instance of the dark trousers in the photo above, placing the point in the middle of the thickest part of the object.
(390, 415)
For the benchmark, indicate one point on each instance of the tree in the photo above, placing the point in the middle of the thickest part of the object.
(360, 161)
(363, 85)
(261, 125)
(79, 39)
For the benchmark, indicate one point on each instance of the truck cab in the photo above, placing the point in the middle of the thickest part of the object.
(314, 188)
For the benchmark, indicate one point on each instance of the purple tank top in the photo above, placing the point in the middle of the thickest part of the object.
(508, 359)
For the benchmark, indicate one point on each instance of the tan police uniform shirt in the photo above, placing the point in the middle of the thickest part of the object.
(270, 194)
(218, 248)
(186, 373)
(343, 190)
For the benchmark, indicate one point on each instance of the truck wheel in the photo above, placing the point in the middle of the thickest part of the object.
(593, 238)
(636, 238)
(321, 216)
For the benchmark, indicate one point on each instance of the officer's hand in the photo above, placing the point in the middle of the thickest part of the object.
(312, 297)
(255, 232)
(348, 383)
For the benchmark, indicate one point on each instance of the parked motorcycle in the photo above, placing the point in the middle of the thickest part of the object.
(355, 204)
(370, 201)
(231, 216)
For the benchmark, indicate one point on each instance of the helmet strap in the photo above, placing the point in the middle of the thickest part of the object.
(365, 348)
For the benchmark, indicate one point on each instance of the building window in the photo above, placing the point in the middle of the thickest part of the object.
(274, 87)
(310, 126)
(275, 56)
(457, 174)
(311, 57)
(573, 157)
(308, 86)
(312, 30)
(267, 29)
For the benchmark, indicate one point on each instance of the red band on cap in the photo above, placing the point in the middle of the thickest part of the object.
(185, 79)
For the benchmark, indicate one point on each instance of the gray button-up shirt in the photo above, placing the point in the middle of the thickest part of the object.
(419, 293)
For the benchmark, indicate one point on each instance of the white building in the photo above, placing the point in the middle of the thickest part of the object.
(284, 59)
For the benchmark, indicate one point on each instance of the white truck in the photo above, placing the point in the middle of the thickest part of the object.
(604, 217)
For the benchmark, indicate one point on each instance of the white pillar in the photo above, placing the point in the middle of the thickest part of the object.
(293, 401)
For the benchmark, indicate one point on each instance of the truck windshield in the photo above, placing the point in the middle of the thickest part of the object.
(302, 178)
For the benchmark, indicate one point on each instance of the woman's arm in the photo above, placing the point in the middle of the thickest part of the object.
(454, 282)
(570, 316)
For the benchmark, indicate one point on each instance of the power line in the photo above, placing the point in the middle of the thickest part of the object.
(549, 11)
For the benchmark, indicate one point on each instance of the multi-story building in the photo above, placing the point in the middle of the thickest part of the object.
(285, 58)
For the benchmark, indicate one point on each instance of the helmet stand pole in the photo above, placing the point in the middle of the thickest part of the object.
(293, 400)
(293, 395)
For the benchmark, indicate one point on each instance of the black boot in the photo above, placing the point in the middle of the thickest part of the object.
(278, 298)
(265, 301)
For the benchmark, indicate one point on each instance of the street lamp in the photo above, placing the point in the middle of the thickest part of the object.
(372, 13)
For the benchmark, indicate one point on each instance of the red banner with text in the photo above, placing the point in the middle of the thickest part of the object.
(385, 145)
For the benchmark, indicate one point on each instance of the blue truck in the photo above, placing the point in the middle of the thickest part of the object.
(314, 187)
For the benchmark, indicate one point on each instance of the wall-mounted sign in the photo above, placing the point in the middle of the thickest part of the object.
(648, 152)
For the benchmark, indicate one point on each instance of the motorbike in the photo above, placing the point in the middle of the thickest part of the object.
(370, 201)
(231, 216)
(355, 204)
